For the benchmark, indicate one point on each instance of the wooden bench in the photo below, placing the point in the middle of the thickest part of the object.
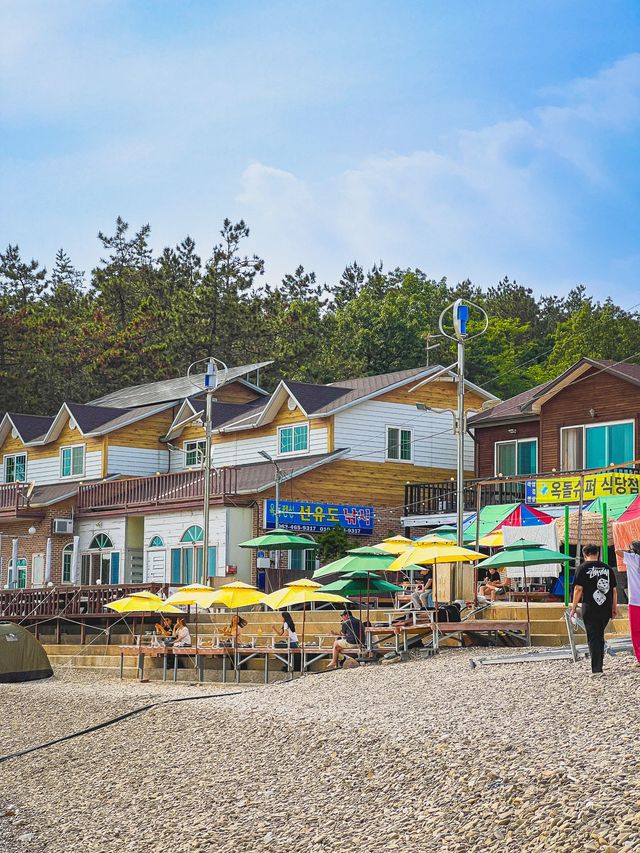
(471, 626)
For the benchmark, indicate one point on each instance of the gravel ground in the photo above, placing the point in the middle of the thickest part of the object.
(428, 755)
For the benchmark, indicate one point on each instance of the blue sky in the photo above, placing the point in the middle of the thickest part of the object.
(476, 138)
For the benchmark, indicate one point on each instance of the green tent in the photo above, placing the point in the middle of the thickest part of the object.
(22, 658)
(490, 518)
(617, 505)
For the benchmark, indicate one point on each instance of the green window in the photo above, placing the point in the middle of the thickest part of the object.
(156, 542)
(17, 579)
(516, 458)
(193, 534)
(293, 439)
(608, 445)
(72, 461)
(399, 444)
(194, 452)
(100, 542)
(15, 468)
(186, 564)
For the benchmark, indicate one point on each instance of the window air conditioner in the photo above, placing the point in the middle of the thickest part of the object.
(63, 525)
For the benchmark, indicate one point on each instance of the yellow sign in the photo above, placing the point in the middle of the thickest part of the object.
(567, 489)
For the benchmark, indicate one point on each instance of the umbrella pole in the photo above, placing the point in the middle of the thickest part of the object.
(436, 639)
(235, 647)
(526, 600)
(304, 617)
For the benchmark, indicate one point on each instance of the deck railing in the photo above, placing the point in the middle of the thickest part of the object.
(72, 601)
(182, 487)
(13, 496)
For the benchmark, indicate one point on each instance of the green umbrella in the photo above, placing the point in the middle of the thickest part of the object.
(360, 583)
(283, 540)
(446, 532)
(369, 551)
(523, 553)
(357, 562)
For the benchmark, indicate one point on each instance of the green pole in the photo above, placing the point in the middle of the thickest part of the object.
(566, 551)
(605, 534)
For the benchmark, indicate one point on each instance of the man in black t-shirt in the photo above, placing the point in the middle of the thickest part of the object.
(595, 587)
(351, 636)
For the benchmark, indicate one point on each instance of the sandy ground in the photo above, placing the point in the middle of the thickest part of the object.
(427, 755)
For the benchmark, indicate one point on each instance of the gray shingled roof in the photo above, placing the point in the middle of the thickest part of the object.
(366, 385)
(91, 418)
(30, 426)
(167, 390)
(313, 398)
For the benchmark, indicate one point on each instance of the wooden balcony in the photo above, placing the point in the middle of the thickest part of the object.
(183, 489)
(14, 501)
(65, 600)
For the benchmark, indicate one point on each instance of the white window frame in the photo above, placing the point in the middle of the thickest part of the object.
(66, 552)
(71, 447)
(400, 429)
(595, 425)
(14, 457)
(294, 452)
(199, 453)
(515, 441)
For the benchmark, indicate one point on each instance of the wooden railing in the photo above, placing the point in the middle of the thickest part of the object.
(182, 487)
(13, 496)
(72, 601)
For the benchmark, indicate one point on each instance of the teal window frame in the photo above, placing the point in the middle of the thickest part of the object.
(192, 534)
(101, 542)
(399, 444)
(72, 459)
(303, 560)
(194, 452)
(603, 444)
(156, 542)
(293, 439)
(15, 472)
(17, 579)
(518, 457)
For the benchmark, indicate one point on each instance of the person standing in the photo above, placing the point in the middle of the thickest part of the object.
(632, 564)
(595, 588)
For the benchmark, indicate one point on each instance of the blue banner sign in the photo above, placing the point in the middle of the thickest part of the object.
(311, 517)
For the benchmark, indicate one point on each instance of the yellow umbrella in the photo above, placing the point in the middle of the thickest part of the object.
(493, 540)
(195, 593)
(424, 553)
(235, 595)
(142, 602)
(395, 545)
(302, 591)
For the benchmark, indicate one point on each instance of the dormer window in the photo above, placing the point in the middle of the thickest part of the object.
(72, 461)
(293, 439)
(15, 468)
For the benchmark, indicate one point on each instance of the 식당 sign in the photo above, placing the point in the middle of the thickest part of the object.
(567, 489)
(313, 517)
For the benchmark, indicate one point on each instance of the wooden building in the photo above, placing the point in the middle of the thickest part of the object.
(114, 489)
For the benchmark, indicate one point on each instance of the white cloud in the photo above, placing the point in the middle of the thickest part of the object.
(489, 199)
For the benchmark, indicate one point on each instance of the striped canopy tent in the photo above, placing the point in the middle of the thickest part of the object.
(493, 518)
(619, 507)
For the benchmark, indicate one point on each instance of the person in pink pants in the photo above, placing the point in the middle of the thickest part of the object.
(632, 563)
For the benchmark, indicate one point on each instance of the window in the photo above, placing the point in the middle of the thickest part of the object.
(156, 542)
(194, 453)
(303, 560)
(72, 461)
(516, 458)
(399, 444)
(15, 468)
(293, 439)
(100, 542)
(37, 569)
(596, 446)
(186, 564)
(17, 579)
(67, 563)
(193, 534)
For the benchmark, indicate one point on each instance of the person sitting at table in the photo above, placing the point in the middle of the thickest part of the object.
(494, 585)
(164, 628)
(422, 597)
(181, 635)
(234, 628)
(351, 636)
(288, 631)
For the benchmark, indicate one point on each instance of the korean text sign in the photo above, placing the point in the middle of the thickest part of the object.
(567, 489)
(316, 517)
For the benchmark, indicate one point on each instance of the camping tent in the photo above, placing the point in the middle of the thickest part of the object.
(22, 658)
(496, 516)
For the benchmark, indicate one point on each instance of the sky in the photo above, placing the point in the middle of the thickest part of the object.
(472, 139)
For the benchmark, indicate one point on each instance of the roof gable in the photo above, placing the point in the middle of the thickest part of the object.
(27, 427)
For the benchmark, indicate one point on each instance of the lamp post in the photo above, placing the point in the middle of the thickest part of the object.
(213, 367)
(278, 479)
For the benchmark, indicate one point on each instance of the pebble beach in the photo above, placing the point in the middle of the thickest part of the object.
(427, 755)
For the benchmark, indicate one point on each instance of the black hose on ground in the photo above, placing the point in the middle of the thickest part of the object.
(111, 722)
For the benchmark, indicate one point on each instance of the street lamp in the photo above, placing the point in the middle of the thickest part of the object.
(279, 478)
(213, 367)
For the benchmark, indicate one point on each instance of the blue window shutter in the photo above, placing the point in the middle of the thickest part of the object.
(115, 567)
(175, 565)
(212, 561)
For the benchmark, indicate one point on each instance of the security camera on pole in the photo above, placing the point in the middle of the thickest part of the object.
(460, 312)
(213, 368)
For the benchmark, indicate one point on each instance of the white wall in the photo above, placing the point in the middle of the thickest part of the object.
(363, 429)
(244, 451)
(239, 529)
(137, 461)
(47, 470)
(171, 526)
(114, 528)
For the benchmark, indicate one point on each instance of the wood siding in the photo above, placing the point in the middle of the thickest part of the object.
(612, 398)
(486, 438)
(145, 433)
(441, 395)
(236, 392)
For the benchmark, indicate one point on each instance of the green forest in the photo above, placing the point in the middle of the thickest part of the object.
(137, 317)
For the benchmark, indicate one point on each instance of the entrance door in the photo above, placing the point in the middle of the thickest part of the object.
(157, 566)
(96, 567)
